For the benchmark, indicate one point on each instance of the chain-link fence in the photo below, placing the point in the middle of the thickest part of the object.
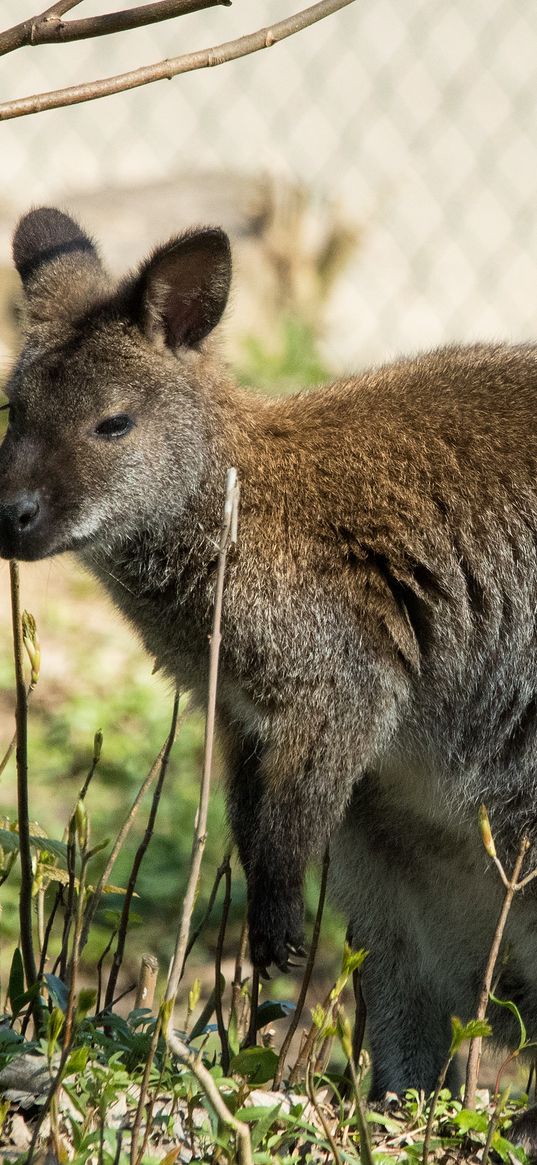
(420, 115)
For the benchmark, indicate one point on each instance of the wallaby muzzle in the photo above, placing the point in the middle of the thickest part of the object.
(22, 525)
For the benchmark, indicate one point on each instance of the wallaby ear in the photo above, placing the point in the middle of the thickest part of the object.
(182, 290)
(46, 234)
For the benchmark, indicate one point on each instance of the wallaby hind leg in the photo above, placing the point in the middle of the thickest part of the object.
(408, 1027)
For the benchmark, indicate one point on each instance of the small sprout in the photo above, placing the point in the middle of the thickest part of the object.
(344, 1032)
(194, 995)
(318, 1015)
(486, 832)
(81, 822)
(55, 1024)
(474, 1029)
(85, 1002)
(31, 642)
(165, 1013)
(97, 746)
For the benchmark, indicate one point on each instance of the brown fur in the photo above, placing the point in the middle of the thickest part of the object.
(378, 674)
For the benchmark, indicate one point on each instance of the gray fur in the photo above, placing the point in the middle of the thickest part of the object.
(378, 676)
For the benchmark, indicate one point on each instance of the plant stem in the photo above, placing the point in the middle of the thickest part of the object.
(432, 1108)
(474, 1053)
(366, 1155)
(21, 720)
(218, 968)
(307, 973)
(200, 829)
(138, 859)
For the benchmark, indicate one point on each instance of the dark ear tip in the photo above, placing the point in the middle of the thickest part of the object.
(44, 234)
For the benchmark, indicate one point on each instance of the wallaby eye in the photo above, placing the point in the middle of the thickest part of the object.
(116, 426)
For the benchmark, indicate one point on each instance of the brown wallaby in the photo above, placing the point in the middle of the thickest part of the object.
(378, 666)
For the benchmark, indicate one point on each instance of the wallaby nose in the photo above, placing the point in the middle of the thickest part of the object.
(23, 512)
(20, 515)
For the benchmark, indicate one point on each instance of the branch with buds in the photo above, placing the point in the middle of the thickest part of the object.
(49, 28)
(512, 886)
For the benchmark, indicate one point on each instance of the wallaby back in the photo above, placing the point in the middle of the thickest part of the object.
(378, 675)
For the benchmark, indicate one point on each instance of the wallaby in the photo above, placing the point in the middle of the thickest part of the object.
(378, 664)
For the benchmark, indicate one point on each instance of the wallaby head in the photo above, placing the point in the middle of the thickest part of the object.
(105, 411)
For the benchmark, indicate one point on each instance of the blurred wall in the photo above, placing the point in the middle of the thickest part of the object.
(419, 116)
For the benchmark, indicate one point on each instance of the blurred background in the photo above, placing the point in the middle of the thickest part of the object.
(377, 173)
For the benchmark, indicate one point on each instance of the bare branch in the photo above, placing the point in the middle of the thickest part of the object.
(215, 1098)
(200, 829)
(474, 1054)
(49, 28)
(231, 50)
(21, 34)
(307, 974)
(21, 719)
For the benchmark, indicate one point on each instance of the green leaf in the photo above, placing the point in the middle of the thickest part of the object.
(9, 840)
(512, 1007)
(352, 960)
(467, 1120)
(271, 1010)
(233, 1034)
(58, 848)
(16, 982)
(85, 1002)
(76, 1061)
(265, 1118)
(474, 1029)
(57, 990)
(386, 1122)
(257, 1065)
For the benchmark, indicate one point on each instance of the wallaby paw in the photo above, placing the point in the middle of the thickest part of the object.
(276, 933)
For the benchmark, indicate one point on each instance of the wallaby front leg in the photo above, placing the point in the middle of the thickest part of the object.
(296, 815)
(316, 751)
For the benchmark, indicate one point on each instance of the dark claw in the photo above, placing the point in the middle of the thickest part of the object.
(264, 974)
(284, 967)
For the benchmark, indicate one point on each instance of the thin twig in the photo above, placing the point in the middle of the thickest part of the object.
(69, 906)
(474, 1053)
(11, 746)
(69, 1029)
(200, 830)
(21, 720)
(147, 982)
(209, 909)
(359, 1017)
(236, 985)
(215, 1098)
(308, 1044)
(100, 964)
(432, 1107)
(366, 1155)
(231, 50)
(218, 967)
(52, 29)
(48, 931)
(176, 1045)
(135, 1136)
(295, 1020)
(251, 1035)
(138, 859)
(493, 1123)
(120, 839)
(310, 1090)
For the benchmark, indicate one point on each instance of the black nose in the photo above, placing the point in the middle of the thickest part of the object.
(23, 512)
